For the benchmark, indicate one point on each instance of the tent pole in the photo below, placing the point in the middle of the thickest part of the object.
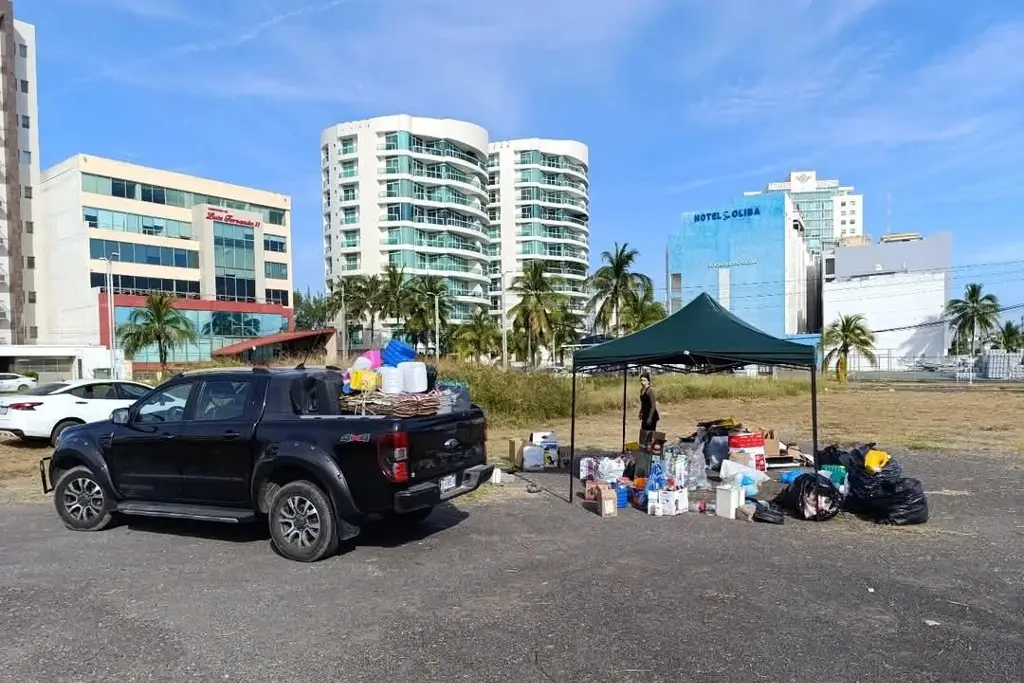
(625, 375)
(814, 414)
(572, 437)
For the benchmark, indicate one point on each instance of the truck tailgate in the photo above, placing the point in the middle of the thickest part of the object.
(441, 444)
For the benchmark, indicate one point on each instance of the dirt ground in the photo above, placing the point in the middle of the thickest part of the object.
(919, 418)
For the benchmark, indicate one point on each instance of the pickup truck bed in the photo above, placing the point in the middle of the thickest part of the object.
(240, 444)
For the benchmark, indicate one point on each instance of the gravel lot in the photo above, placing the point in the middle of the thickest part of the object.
(525, 587)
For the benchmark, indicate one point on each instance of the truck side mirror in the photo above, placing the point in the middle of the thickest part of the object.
(119, 416)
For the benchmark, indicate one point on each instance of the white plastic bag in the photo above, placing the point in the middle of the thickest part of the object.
(733, 472)
(610, 469)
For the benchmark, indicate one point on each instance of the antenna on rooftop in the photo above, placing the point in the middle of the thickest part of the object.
(888, 211)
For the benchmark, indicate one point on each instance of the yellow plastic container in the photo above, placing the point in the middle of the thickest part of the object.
(632, 446)
(364, 380)
(874, 461)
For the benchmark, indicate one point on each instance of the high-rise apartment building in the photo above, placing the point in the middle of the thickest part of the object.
(18, 268)
(223, 251)
(433, 197)
(830, 211)
(539, 210)
(409, 192)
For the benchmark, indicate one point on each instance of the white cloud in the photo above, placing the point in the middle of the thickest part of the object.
(487, 61)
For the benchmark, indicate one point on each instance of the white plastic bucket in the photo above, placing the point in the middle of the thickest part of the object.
(414, 376)
(391, 380)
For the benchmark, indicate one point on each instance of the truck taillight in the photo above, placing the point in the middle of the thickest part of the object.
(25, 405)
(393, 455)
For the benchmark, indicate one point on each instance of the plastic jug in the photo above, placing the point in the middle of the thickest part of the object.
(391, 380)
(396, 352)
(414, 376)
(364, 380)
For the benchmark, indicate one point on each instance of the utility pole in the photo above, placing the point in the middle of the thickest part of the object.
(504, 325)
(111, 318)
(344, 323)
(437, 328)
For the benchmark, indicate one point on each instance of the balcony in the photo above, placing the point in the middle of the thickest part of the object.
(448, 153)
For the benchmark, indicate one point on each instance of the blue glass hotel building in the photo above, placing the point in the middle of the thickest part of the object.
(751, 255)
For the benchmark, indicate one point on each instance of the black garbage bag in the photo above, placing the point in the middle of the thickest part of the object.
(811, 496)
(902, 503)
(830, 455)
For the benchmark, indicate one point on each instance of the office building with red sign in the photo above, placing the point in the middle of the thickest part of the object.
(221, 250)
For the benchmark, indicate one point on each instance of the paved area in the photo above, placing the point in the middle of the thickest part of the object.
(529, 588)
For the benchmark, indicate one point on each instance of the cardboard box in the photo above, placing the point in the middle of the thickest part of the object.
(607, 507)
(515, 452)
(745, 513)
(744, 458)
(772, 447)
(593, 489)
(563, 458)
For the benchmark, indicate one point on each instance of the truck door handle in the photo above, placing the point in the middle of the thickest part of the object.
(81, 403)
(167, 436)
(231, 435)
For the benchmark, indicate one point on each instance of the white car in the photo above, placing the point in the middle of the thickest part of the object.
(45, 411)
(11, 382)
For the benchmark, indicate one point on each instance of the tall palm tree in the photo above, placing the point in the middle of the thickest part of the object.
(364, 295)
(1009, 337)
(537, 299)
(849, 333)
(975, 316)
(565, 326)
(479, 338)
(641, 311)
(397, 294)
(419, 307)
(614, 284)
(160, 323)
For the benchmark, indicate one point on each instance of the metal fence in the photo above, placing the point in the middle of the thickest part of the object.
(891, 366)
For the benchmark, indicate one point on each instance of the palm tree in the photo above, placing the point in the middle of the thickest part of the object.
(975, 316)
(1008, 337)
(397, 294)
(160, 323)
(641, 311)
(537, 299)
(614, 284)
(849, 333)
(419, 307)
(478, 338)
(364, 295)
(565, 327)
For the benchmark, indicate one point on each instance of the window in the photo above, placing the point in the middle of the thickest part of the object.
(30, 262)
(95, 391)
(31, 296)
(275, 243)
(222, 400)
(275, 271)
(22, 50)
(131, 392)
(33, 332)
(348, 145)
(23, 85)
(349, 192)
(26, 156)
(276, 296)
(27, 191)
(165, 406)
(26, 122)
(29, 226)
(129, 252)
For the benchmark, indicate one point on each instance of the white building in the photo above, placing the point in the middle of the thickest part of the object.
(221, 250)
(830, 210)
(19, 279)
(901, 288)
(539, 210)
(410, 192)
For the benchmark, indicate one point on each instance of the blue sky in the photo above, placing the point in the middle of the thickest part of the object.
(684, 104)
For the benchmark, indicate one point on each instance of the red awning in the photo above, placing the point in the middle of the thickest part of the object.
(258, 342)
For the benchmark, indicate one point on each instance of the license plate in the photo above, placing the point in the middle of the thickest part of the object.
(448, 482)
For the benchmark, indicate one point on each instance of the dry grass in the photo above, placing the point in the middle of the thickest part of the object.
(914, 417)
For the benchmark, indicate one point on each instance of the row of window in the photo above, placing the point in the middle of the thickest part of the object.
(129, 189)
(275, 271)
(138, 285)
(131, 222)
(128, 252)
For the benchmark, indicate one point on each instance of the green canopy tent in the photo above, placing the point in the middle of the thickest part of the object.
(702, 337)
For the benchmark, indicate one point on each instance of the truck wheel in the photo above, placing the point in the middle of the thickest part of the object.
(302, 523)
(80, 500)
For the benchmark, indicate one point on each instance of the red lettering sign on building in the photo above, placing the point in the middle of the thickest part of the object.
(225, 217)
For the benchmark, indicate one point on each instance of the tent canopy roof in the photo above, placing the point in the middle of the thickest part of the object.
(702, 333)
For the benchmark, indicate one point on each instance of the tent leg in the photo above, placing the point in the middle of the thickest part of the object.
(572, 438)
(814, 415)
(625, 375)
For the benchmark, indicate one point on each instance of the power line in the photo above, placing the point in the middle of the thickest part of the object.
(944, 321)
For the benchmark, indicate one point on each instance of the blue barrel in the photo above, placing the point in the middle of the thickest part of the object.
(621, 496)
(397, 351)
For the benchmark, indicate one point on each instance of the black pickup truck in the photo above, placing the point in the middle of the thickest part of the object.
(237, 445)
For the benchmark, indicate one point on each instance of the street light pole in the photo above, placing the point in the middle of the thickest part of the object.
(504, 324)
(344, 323)
(111, 318)
(437, 328)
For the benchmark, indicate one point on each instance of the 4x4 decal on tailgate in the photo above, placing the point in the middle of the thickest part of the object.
(357, 438)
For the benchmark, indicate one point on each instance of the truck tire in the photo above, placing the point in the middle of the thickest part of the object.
(302, 522)
(81, 502)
